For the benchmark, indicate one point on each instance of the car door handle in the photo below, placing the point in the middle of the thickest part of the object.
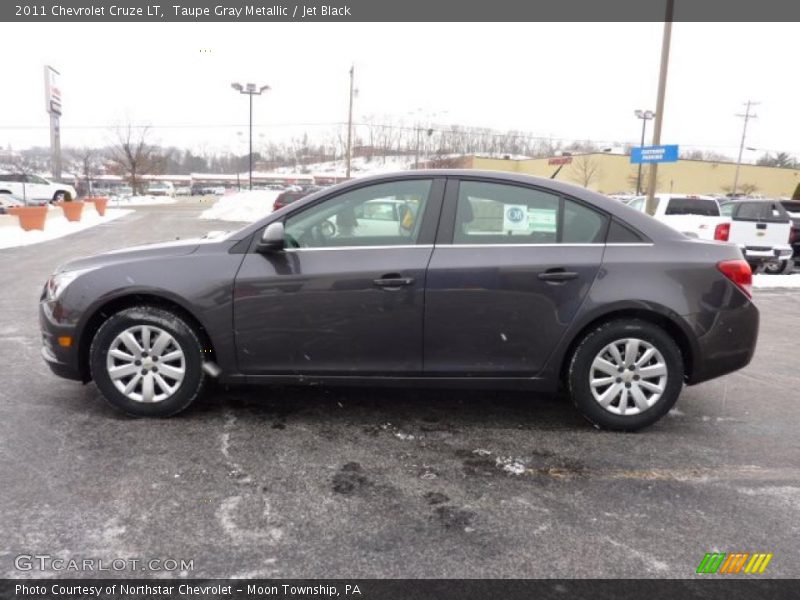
(557, 275)
(393, 282)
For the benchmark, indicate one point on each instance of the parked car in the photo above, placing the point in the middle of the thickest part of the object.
(8, 201)
(34, 189)
(161, 188)
(762, 229)
(183, 191)
(793, 208)
(293, 195)
(124, 191)
(499, 280)
(696, 216)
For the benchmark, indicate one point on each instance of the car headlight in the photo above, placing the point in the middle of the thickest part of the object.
(58, 282)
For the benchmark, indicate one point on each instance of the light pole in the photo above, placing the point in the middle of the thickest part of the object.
(251, 90)
(645, 116)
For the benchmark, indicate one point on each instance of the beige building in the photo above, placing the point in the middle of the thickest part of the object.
(614, 173)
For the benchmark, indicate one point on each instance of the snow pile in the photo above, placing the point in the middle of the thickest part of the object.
(140, 200)
(244, 207)
(764, 281)
(56, 227)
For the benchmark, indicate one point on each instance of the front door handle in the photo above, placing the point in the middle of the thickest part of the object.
(557, 275)
(393, 282)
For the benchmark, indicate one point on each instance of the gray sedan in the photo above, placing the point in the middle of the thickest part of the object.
(428, 278)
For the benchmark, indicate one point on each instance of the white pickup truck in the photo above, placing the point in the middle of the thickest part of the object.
(34, 189)
(762, 229)
(696, 216)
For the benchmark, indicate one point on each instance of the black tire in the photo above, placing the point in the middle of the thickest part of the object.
(780, 268)
(578, 376)
(185, 337)
(62, 195)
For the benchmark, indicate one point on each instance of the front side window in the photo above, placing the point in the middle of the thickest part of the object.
(385, 214)
(494, 213)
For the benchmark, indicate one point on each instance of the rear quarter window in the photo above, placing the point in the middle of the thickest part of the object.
(692, 206)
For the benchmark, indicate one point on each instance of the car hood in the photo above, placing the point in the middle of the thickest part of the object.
(122, 255)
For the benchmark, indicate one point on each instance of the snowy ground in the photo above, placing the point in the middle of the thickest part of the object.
(763, 281)
(242, 206)
(140, 200)
(56, 227)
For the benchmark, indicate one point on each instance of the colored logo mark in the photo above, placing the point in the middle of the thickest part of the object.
(734, 562)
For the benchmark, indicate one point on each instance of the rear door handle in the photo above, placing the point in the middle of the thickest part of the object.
(557, 275)
(393, 282)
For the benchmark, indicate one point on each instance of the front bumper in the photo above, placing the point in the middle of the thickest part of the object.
(63, 361)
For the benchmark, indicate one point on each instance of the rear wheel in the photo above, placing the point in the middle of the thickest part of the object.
(147, 362)
(779, 268)
(625, 374)
(62, 196)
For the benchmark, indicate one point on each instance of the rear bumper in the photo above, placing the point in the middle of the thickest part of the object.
(761, 254)
(726, 339)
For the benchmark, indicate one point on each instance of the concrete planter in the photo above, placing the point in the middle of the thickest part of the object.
(30, 217)
(100, 204)
(72, 210)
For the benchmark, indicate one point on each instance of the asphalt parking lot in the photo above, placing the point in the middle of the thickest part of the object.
(311, 482)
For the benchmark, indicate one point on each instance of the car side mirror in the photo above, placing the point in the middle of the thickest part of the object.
(272, 240)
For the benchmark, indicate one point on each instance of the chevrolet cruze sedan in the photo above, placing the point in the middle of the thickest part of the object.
(433, 278)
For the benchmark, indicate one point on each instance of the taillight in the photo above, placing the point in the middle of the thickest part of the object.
(722, 232)
(794, 235)
(739, 272)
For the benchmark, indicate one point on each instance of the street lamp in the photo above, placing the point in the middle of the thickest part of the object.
(251, 90)
(645, 116)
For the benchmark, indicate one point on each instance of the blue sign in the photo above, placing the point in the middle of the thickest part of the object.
(654, 154)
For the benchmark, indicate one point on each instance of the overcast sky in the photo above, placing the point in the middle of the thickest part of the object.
(570, 81)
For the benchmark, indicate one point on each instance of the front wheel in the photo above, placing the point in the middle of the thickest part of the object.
(625, 375)
(147, 362)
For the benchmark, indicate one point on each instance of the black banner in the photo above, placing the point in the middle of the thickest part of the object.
(712, 588)
(395, 10)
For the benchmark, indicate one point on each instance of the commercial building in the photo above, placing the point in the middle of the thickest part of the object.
(614, 174)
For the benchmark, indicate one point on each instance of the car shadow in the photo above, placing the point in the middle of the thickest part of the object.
(422, 407)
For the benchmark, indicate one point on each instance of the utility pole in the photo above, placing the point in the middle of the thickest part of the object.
(251, 90)
(746, 116)
(644, 115)
(350, 126)
(416, 152)
(662, 89)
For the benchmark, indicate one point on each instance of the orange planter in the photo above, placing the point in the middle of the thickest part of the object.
(72, 210)
(100, 203)
(30, 217)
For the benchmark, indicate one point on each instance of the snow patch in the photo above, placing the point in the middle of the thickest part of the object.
(244, 207)
(56, 227)
(763, 281)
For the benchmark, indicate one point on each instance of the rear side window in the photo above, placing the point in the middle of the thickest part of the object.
(621, 234)
(692, 206)
(495, 213)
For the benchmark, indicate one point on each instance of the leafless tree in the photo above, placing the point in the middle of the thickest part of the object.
(585, 169)
(88, 161)
(132, 156)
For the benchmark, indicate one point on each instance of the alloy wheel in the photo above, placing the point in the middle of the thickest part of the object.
(628, 376)
(146, 363)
